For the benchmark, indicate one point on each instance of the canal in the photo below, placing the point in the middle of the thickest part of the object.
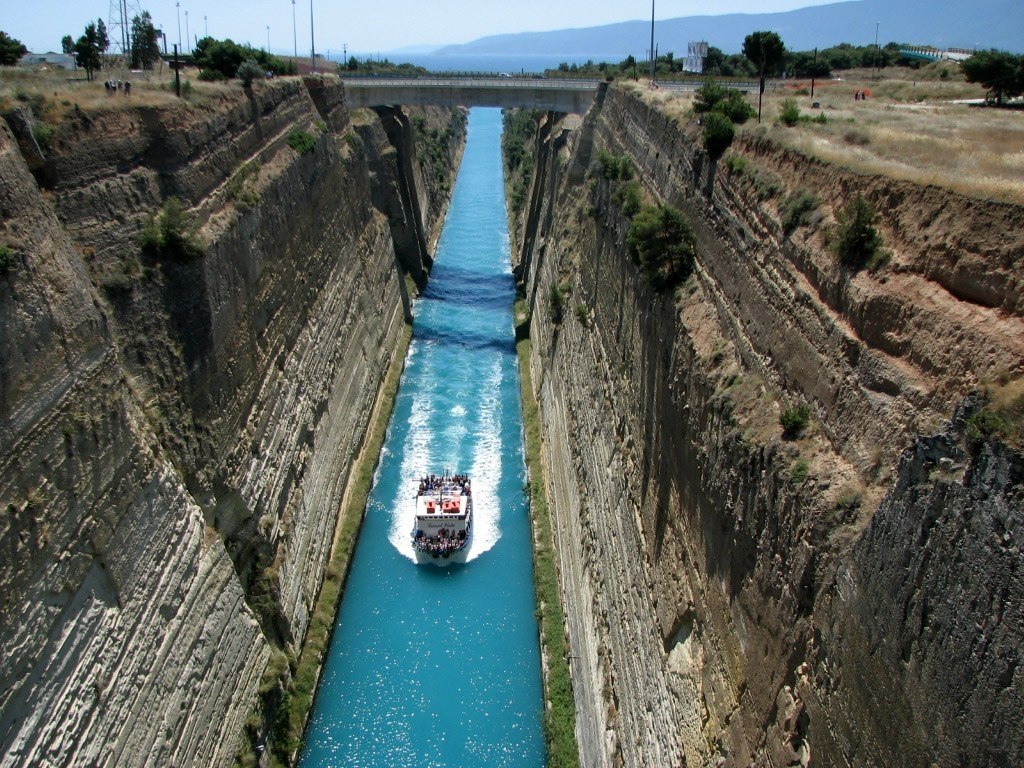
(432, 666)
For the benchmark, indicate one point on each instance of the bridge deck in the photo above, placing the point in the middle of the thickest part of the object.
(507, 92)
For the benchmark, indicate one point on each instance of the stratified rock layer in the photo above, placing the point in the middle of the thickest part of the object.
(176, 433)
(848, 598)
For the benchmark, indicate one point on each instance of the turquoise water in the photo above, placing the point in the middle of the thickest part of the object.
(432, 666)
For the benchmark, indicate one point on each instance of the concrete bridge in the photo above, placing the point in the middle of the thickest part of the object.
(572, 96)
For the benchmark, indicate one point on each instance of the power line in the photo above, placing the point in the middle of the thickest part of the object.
(119, 24)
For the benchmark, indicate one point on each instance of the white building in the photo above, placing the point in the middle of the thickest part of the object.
(39, 60)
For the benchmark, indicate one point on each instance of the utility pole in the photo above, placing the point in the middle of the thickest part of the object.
(295, 33)
(268, 38)
(188, 36)
(177, 10)
(312, 41)
(206, 27)
(876, 48)
(177, 74)
(652, 44)
(814, 71)
(344, 48)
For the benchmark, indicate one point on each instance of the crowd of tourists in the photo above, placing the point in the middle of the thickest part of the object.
(118, 86)
(450, 483)
(444, 543)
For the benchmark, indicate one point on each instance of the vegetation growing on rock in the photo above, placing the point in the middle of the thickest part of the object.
(797, 210)
(301, 141)
(858, 244)
(166, 234)
(1002, 417)
(717, 135)
(432, 147)
(241, 186)
(7, 260)
(520, 127)
(662, 242)
(794, 420)
(557, 298)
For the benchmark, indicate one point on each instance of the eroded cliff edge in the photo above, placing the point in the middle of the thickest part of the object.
(852, 597)
(176, 429)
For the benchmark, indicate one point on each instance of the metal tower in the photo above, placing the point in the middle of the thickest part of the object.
(119, 24)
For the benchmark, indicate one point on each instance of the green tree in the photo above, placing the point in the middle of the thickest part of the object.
(707, 96)
(712, 97)
(857, 240)
(248, 71)
(718, 134)
(145, 46)
(766, 52)
(11, 50)
(226, 56)
(87, 50)
(806, 64)
(1000, 72)
(102, 38)
(662, 242)
(67, 44)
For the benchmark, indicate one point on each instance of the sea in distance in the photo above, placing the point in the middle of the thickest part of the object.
(497, 63)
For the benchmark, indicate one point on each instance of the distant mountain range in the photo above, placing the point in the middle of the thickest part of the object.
(939, 23)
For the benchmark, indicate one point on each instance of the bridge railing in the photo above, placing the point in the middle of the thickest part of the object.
(555, 82)
(489, 81)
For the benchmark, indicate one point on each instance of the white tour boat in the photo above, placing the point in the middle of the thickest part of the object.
(444, 518)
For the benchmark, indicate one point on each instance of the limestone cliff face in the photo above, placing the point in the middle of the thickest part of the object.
(176, 433)
(732, 598)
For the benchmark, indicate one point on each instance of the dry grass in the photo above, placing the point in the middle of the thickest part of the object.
(913, 130)
(53, 94)
(909, 129)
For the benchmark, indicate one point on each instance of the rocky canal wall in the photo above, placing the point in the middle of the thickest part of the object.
(177, 425)
(849, 597)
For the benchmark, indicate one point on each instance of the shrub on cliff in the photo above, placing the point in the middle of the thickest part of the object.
(857, 242)
(662, 242)
(629, 197)
(557, 297)
(797, 210)
(301, 141)
(166, 234)
(8, 259)
(718, 134)
(1001, 418)
(794, 420)
(615, 168)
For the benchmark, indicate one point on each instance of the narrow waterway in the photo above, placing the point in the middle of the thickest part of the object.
(432, 666)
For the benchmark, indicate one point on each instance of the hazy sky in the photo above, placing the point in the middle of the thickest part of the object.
(366, 25)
